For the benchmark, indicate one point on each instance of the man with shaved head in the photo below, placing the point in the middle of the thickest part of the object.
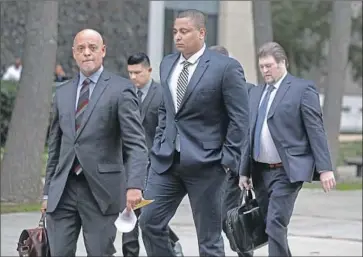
(96, 127)
(203, 126)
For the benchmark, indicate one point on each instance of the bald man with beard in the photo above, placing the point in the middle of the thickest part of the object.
(96, 125)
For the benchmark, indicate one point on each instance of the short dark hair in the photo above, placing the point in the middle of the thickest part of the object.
(219, 49)
(139, 58)
(198, 17)
(275, 50)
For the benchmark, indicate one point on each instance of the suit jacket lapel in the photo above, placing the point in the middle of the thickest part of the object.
(72, 105)
(97, 92)
(197, 75)
(281, 91)
(170, 63)
(145, 104)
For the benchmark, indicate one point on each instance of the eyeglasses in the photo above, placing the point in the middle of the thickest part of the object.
(82, 49)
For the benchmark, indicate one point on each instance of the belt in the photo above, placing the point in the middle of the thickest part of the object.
(269, 165)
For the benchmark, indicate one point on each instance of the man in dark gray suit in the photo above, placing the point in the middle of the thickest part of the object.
(95, 115)
(232, 191)
(150, 96)
(288, 144)
(203, 123)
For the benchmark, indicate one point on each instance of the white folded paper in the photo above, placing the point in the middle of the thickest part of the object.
(126, 221)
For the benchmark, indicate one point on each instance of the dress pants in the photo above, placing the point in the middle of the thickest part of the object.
(276, 196)
(203, 184)
(77, 208)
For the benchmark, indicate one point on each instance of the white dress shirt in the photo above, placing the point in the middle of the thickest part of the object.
(268, 151)
(12, 73)
(173, 81)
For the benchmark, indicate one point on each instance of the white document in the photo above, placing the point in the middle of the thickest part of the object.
(126, 221)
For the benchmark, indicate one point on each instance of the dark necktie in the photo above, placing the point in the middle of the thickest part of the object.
(139, 95)
(182, 83)
(259, 123)
(81, 107)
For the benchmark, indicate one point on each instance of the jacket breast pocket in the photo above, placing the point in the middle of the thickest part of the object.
(206, 95)
(109, 168)
(298, 150)
(104, 112)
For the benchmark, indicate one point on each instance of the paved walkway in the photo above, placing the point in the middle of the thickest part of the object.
(322, 225)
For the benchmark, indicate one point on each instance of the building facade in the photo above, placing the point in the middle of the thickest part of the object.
(229, 23)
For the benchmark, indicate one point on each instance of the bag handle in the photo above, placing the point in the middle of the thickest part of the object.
(42, 220)
(247, 196)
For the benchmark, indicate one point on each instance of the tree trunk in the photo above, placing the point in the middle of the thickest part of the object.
(22, 163)
(262, 26)
(340, 30)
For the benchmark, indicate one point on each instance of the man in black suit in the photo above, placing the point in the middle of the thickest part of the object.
(232, 191)
(150, 96)
(203, 124)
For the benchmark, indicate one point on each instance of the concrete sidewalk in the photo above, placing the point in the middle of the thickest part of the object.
(322, 225)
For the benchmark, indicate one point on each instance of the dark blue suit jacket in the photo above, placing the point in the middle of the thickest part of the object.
(212, 121)
(296, 125)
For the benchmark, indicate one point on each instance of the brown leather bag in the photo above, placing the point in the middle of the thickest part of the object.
(34, 242)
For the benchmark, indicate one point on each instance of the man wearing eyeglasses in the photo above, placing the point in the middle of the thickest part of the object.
(96, 125)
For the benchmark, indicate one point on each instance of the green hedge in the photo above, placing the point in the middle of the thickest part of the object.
(8, 96)
(7, 101)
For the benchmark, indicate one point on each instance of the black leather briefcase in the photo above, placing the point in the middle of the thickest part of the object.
(245, 225)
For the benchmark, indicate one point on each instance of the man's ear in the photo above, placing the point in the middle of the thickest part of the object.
(202, 34)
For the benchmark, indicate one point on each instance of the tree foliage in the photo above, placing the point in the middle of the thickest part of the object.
(355, 51)
(303, 29)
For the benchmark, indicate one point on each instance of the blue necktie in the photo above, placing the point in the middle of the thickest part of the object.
(260, 119)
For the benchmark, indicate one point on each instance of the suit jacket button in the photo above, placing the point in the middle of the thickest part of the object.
(176, 120)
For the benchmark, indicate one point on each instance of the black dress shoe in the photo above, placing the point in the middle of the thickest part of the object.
(178, 250)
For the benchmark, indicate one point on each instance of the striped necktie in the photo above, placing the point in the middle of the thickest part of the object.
(81, 108)
(182, 83)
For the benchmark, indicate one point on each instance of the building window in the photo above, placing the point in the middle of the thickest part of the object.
(171, 14)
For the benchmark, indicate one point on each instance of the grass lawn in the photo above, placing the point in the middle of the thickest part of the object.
(21, 207)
